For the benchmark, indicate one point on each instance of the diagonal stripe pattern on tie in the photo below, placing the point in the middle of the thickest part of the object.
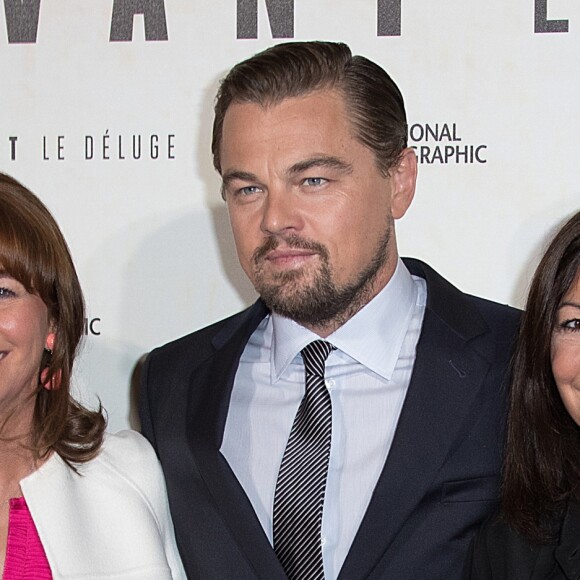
(299, 495)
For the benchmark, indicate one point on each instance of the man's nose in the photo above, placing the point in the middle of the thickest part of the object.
(281, 212)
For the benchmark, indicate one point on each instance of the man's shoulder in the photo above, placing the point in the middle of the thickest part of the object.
(446, 299)
(496, 314)
(203, 342)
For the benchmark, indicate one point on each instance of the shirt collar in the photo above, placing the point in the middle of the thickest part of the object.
(373, 336)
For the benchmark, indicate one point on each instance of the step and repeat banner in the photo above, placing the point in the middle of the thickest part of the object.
(106, 114)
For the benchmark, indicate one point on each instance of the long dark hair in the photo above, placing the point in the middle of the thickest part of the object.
(542, 460)
(34, 252)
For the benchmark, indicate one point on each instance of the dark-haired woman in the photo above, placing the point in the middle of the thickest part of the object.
(75, 502)
(537, 533)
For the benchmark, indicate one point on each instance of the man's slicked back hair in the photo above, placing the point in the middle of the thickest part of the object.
(373, 101)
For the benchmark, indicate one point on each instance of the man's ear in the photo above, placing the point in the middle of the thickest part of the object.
(403, 179)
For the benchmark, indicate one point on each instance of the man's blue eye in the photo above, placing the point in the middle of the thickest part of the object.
(314, 181)
(249, 190)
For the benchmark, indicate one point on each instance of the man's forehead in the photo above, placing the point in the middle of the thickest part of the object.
(308, 126)
(289, 134)
(324, 95)
(321, 112)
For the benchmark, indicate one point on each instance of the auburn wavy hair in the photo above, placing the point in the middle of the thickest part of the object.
(34, 252)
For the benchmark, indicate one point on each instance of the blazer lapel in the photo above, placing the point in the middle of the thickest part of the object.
(207, 417)
(446, 378)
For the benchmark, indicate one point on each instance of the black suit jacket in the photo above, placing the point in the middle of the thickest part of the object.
(439, 481)
(500, 553)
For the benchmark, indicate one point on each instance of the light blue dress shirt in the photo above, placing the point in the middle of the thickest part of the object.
(367, 376)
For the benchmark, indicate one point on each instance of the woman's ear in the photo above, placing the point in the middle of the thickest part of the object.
(50, 340)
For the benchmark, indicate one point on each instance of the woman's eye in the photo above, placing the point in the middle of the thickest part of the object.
(572, 324)
(6, 293)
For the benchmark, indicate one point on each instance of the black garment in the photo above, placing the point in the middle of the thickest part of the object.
(498, 552)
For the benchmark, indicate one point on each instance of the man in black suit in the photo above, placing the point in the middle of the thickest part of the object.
(406, 422)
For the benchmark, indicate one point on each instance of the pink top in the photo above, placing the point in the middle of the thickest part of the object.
(25, 557)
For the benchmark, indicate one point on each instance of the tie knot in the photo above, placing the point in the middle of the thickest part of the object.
(315, 354)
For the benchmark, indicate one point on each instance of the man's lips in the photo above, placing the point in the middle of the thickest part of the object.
(288, 256)
(290, 252)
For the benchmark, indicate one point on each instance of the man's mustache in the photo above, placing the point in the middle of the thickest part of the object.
(294, 242)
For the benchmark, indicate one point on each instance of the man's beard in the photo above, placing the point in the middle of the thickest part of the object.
(320, 302)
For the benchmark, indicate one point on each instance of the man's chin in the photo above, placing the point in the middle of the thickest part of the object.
(286, 296)
(299, 304)
(286, 282)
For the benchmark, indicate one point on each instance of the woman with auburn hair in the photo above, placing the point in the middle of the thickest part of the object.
(537, 533)
(75, 502)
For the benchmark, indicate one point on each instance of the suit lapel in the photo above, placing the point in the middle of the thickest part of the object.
(207, 417)
(446, 379)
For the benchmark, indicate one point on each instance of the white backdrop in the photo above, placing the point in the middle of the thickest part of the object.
(106, 112)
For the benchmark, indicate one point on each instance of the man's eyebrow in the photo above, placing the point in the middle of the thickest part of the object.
(233, 175)
(320, 161)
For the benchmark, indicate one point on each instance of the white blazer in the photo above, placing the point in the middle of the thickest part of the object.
(109, 521)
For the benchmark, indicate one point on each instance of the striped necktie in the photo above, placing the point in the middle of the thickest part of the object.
(299, 495)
